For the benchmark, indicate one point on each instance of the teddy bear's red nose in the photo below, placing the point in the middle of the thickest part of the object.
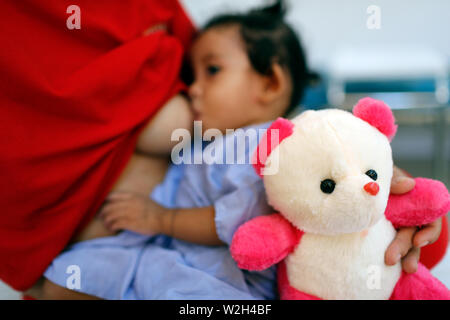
(372, 188)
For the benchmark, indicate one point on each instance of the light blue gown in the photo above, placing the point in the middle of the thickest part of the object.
(133, 266)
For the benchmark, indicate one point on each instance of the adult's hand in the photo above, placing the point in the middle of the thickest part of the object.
(409, 240)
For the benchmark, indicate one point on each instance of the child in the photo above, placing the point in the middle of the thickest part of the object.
(249, 70)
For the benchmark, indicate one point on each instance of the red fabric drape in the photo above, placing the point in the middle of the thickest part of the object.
(432, 254)
(72, 103)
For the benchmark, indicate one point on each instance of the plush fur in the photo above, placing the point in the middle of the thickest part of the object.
(329, 245)
(378, 114)
(275, 238)
(428, 201)
(417, 286)
(278, 131)
(420, 285)
(330, 144)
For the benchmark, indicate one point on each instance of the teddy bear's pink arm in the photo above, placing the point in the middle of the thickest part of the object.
(264, 241)
(428, 201)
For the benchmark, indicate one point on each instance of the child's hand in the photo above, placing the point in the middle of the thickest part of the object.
(409, 240)
(131, 211)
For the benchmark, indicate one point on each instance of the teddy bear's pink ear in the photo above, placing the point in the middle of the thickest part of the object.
(277, 132)
(377, 114)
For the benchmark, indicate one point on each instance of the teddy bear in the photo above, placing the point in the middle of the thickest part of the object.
(327, 174)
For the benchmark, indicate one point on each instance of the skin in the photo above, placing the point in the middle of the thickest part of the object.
(227, 92)
(408, 241)
(155, 138)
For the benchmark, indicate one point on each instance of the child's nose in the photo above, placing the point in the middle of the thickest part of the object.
(194, 90)
(372, 188)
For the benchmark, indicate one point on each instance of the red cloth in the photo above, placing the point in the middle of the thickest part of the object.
(432, 254)
(72, 103)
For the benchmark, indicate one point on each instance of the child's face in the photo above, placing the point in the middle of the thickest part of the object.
(226, 88)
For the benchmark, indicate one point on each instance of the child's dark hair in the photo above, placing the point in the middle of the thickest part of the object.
(269, 39)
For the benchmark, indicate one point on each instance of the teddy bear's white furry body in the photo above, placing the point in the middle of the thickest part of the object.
(349, 266)
(341, 254)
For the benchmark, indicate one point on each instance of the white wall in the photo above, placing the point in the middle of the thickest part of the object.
(326, 25)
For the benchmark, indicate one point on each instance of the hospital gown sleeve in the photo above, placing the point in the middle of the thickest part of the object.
(245, 200)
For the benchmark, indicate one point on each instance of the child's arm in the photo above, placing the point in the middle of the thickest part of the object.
(155, 138)
(134, 212)
(194, 225)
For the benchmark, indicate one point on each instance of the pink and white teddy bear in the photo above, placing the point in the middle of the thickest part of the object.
(336, 217)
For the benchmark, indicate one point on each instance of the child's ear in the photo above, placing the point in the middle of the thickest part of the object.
(274, 86)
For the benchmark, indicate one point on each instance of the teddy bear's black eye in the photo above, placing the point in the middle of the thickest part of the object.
(372, 174)
(327, 186)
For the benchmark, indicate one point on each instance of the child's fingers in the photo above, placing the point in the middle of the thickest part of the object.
(115, 223)
(111, 208)
(410, 262)
(119, 224)
(400, 246)
(106, 210)
(429, 234)
(111, 218)
(114, 215)
(112, 212)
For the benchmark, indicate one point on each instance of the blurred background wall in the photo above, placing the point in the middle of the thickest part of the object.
(326, 25)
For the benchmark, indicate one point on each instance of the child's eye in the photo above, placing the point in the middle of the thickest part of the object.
(212, 70)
